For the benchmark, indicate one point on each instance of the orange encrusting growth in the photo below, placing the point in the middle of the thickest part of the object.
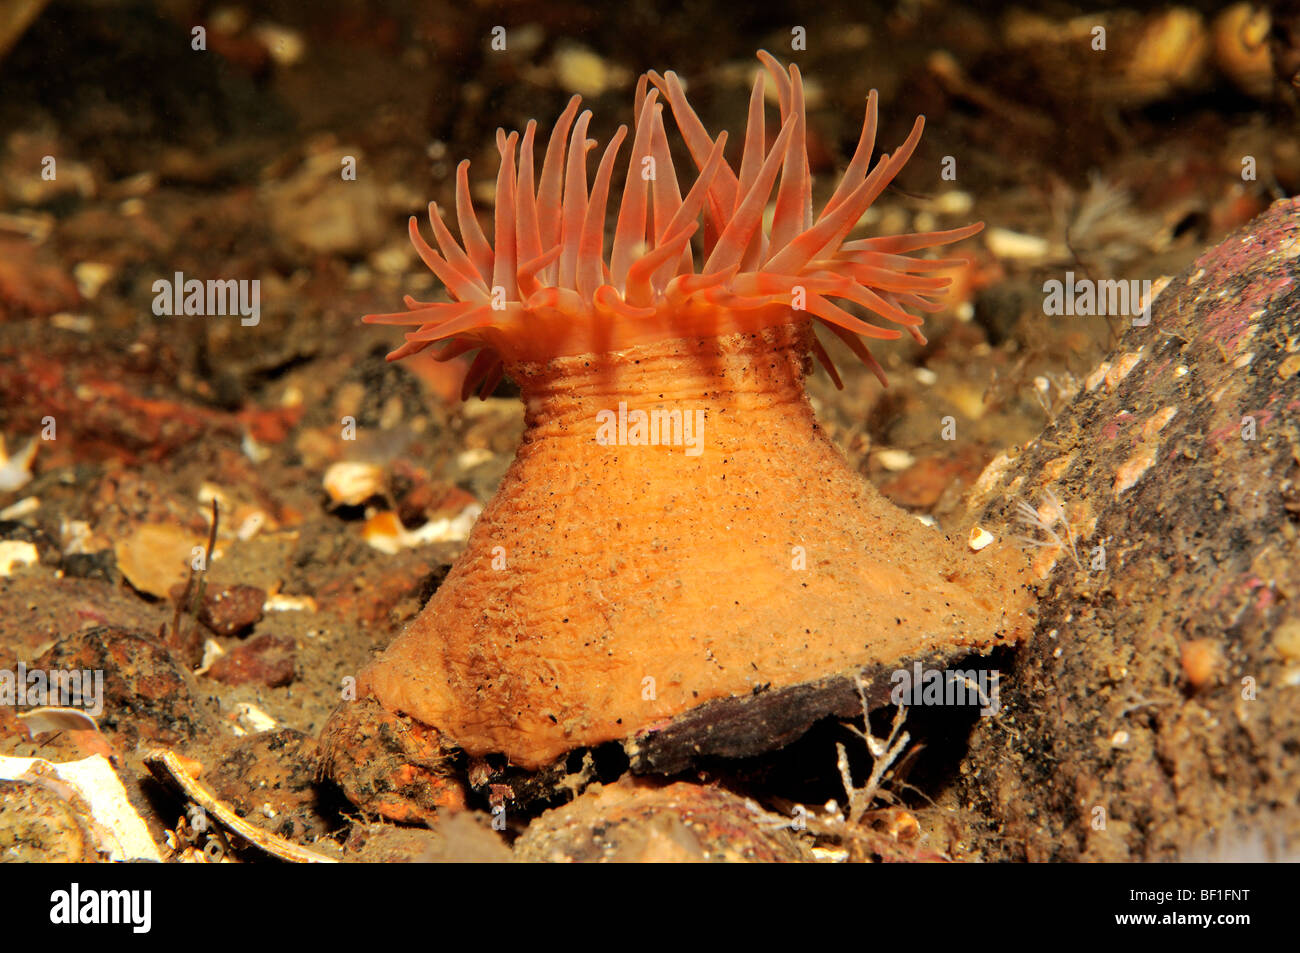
(547, 289)
(609, 586)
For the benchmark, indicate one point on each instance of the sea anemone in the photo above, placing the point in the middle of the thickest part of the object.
(547, 290)
(675, 528)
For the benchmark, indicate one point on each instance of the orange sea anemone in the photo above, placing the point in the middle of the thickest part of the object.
(547, 289)
(675, 528)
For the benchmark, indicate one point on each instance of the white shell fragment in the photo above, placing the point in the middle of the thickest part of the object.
(41, 720)
(979, 538)
(252, 720)
(22, 509)
(282, 602)
(16, 470)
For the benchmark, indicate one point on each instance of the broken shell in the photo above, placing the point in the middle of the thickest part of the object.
(351, 484)
(895, 460)
(280, 602)
(980, 537)
(1241, 48)
(15, 471)
(1170, 55)
(41, 720)
(252, 720)
(167, 766)
(155, 557)
(22, 509)
(16, 553)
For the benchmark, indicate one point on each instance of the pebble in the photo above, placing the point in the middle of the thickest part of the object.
(91, 276)
(263, 660)
(581, 70)
(1004, 243)
(230, 610)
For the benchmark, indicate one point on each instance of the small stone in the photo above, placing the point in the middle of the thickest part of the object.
(91, 276)
(895, 461)
(97, 565)
(1201, 660)
(230, 610)
(263, 660)
(635, 822)
(1287, 640)
(147, 697)
(1289, 367)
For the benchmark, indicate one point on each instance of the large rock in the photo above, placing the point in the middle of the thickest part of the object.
(1156, 710)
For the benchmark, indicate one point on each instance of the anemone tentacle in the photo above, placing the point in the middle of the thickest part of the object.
(549, 264)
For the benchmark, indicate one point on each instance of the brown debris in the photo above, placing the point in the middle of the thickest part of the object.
(28, 286)
(270, 778)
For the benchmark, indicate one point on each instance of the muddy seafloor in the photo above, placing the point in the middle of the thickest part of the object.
(226, 162)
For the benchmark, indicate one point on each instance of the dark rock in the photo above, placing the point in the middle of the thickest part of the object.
(100, 565)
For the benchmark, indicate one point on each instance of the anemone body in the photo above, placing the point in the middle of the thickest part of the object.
(621, 576)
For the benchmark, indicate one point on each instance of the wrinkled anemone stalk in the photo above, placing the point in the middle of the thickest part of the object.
(612, 584)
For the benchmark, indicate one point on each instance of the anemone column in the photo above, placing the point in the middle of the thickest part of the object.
(613, 583)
